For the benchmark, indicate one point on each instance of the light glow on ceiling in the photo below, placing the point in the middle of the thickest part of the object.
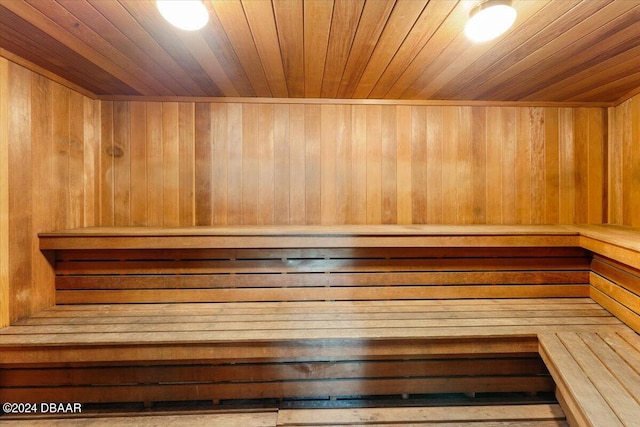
(189, 15)
(490, 19)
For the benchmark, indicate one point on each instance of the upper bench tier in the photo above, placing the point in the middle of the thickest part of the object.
(310, 236)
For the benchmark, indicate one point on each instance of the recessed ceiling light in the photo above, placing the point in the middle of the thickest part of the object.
(489, 19)
(187, 15)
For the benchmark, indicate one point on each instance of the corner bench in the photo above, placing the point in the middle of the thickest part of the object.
(150, 315)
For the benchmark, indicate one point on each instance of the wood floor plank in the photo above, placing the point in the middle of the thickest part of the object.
(249, 419)
(461, 414)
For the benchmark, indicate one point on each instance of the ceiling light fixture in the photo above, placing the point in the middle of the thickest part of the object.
(489, 19)
(187, 15)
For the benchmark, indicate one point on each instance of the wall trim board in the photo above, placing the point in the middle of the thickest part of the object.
(45, 73)
(332, 101)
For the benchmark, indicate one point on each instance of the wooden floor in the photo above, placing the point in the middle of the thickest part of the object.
(538, 415)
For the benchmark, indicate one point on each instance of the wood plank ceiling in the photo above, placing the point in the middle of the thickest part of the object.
(566, 50)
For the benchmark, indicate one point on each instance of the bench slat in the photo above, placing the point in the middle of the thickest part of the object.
(205, 281)
(597, 371)
(579, 394)
(435, 415)
(320, 294)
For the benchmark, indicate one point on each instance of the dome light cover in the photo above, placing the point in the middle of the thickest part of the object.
(190, 15)
(489, 19)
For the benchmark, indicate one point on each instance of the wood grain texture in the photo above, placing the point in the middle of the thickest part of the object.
(624, 163)
(286, 349)
(351, 164)
(4, 194)
(53, 133)
(354, 49)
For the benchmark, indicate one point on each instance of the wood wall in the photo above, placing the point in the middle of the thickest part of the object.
(168, 163)
(67, 161)
(624, 163)
(49, 145)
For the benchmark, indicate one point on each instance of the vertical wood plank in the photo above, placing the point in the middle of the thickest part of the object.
(523, 166)
(60, 152)
(328, 148)
(404, 155)
(266, 208)
(434, 160)
(235, 166)
(138, 154)
(121, 164)
(170, 165)
(91, 162)
(5, 296)
(582, 143)
(389, 135)
(446, 201)
(464, 166)
(419, 167)
(615, 163)
(538, 161)
(297, 164)
(41, 133)
(186, 155)
(634, 169)
(567, 187)
(551, 166)
(219, 164)
(21, 292)
(359, 168)
(106, 164)
(313, 167)
(202, 172)
(155, 194)
(76, 161)
(374, 164)
(344, 144)
(479, 164)
(508, 136)
(595, 167)
(250, 163)
(627, 165)
(494, 166)
(42, 177)
(282, 162)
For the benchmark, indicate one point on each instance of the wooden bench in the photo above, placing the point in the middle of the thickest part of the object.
(211, 314)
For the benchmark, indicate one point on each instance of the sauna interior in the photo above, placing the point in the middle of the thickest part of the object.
(320, 212)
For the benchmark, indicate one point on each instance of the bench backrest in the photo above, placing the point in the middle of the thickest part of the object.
(335, 273)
